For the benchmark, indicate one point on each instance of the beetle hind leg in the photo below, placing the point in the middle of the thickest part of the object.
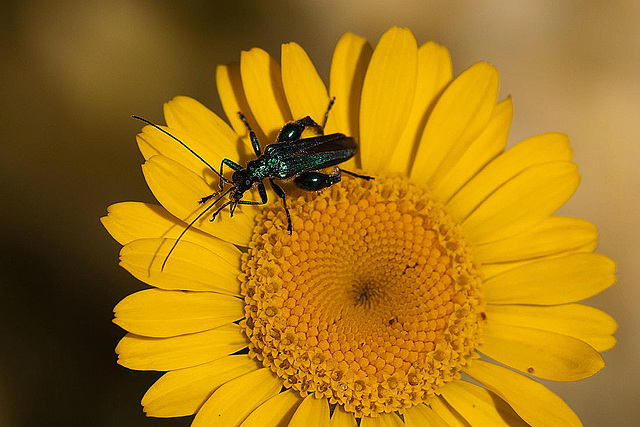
(316, 181)
(365, 177)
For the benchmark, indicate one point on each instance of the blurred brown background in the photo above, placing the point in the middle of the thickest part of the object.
(73, 72)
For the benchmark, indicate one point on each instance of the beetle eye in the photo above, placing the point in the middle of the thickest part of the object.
(247, 182)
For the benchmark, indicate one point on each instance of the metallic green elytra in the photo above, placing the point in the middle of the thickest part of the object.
(291, 157)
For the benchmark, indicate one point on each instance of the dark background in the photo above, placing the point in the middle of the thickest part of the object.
(73, 72)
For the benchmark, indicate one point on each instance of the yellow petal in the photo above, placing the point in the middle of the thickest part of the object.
(188, 115)
(190, 267)
(306, 93)
(490, 270)
(540, 353)
(387, 96)
(341, 418)
(523, 202)
(549, 147)
(580, 321)
(552, 281)
(232, 403)
(348, 67)
(600, 342)
(238, 150)
(179, 190)
(531, 400)
(459, 116)
(481, 151)
(372, 422)
(226, 252)
(201, 157)
(553, 235)
(166, 354)
(434, 74)
(312, 412)
(392, 420)
(262, 82)
(159, 313)
(275, 412)
(234, 101)
(493, 269)
(422, 416)
(480, 406)
(447, 413)
(182, 392)
(382, 420)
(129, 221)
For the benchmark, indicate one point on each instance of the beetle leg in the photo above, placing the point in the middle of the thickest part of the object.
(254, 143)
(252, 135)
(280, 193)
(262, 192)
(207, 198)
(233, 165)
(224, 205)
(230, 163)
(315, 181)
(365, 177)
(326, 114)
(263, 195)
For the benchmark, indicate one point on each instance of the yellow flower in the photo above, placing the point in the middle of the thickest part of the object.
(387, 290)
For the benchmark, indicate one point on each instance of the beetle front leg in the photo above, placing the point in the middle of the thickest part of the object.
(263, 196)
(230, 163)
(280, 193)
(252, 135)
(224, 205)
(326, 114)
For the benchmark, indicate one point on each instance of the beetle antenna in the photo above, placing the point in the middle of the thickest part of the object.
(191, 224)
(183, 144)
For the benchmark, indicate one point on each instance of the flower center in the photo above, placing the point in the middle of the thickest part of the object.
(374, 302)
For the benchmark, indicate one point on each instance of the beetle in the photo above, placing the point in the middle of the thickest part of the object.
(291, 157)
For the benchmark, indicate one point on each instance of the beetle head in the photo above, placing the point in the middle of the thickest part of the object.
(242, 182)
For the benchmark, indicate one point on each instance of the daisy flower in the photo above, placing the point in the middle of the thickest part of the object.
(434, 295)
